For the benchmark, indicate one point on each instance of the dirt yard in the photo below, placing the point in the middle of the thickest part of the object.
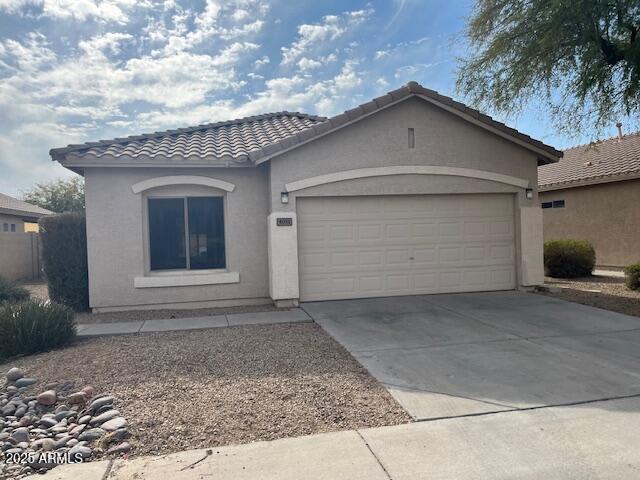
(609, 293)
(199, 389)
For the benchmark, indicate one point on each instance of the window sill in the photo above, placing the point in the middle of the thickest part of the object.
(185, 279)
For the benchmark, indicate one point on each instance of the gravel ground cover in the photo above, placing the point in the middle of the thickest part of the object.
(39, 291)
(599, 291)
(200, 389)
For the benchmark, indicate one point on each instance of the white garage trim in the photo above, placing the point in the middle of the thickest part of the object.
(404, 170)
(182, 180)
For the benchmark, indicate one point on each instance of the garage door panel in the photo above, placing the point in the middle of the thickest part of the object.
(354, 247)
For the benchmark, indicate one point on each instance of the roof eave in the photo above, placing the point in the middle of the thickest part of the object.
(584, 182)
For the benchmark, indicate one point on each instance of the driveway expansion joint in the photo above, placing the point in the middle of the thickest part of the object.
(373, 454)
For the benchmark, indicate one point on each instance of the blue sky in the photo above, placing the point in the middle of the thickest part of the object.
(80, 70)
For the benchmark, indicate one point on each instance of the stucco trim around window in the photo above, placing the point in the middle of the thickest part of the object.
(185, 279)
(404, 170)
(182, 180)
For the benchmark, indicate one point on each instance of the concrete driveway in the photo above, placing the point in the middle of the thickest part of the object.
(463, 354)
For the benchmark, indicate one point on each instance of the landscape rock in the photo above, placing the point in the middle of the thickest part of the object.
(47, 397)
(25, 382)
(76, 398)
(119, 449)
(91, 435)
(100, 402)
(114, 424)
(14, 374)
(48, 444)
(81, 451)
(103, 417)
(20, 435)
(89, 391)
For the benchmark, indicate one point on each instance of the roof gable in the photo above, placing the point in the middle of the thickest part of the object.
(546, 153)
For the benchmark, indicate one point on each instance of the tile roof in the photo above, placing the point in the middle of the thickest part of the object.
(18, 207)
(218, 142)
(608, 160)
(262, 137)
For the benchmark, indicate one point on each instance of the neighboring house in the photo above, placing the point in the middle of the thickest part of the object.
(410, 193)
(593, 194)
(17, 216)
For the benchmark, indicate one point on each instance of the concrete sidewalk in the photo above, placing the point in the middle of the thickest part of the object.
(597, 440)
(294, 315)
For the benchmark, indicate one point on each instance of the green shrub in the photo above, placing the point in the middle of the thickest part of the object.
(12, 292)
(569, 258)
(64, 256)
(633, 276)
(34, 326)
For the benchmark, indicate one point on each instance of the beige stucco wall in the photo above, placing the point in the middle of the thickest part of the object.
(116, 235)
(606, 214)
(9, 219)
(441, 139)
(20, 256)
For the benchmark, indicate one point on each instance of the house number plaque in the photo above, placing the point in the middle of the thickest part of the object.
(284, 221)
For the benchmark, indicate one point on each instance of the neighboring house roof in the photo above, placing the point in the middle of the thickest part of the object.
(609, 160)
(13, 206)
(263, 137)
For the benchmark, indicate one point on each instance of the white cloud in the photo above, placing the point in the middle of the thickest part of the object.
(314, 36)
(262, 61)
(103, 10)
(308, 64)
(380, 54)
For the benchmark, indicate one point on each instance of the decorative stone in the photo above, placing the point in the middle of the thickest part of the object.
(114, 424)
(80, 451)
(25, 382)
(84, 419)
(89, 391)
(20, 435)
(48, 422)
(76, 398)
(91, 435)
(47, 398)
(101, 402)
(119, 449)
(14, 374)
(116, 435)
(108, 415)
(48, 444)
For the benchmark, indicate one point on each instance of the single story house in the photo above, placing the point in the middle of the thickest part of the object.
(14, 214)
(410, 193)
(593, 194)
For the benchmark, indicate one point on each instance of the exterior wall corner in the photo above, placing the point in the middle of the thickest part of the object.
(531, 246)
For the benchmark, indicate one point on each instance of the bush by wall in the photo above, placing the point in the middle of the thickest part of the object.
(64, 256)
(632, 273)
(569, 258)
(11, 291)
(34, 326)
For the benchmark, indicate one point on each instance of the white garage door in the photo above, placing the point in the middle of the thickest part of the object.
(356, 247)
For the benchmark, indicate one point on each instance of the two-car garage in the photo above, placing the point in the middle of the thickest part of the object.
(369, 246)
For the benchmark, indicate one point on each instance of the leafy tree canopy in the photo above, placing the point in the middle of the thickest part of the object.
(582, 57)
(58, 195)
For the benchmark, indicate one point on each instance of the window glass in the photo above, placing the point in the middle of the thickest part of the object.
(547, 204)
(167, 233)
(558, 204)
(13, 227)
(206, 232)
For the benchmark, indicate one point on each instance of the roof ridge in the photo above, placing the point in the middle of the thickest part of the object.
(57, 152)
(596, 142)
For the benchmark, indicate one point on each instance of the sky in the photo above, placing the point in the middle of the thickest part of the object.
(73, 71)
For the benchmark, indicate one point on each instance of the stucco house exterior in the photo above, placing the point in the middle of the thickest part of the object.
(14, 214)
(593, 194)
(410, 193)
